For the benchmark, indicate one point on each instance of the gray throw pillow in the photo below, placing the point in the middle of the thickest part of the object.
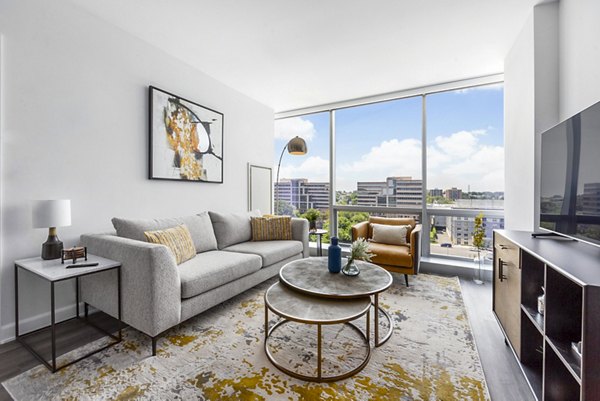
(232, 228)
(199, 225)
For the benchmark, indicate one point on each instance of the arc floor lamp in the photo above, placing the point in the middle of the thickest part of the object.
(295, 146)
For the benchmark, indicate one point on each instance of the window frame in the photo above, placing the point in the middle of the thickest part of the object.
(424, 211)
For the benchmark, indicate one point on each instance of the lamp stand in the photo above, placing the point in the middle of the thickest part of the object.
(276, 211)
(52, 248)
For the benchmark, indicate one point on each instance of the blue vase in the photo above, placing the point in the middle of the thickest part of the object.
(334, 256)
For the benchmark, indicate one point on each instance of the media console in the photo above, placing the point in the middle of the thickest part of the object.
(569, 271)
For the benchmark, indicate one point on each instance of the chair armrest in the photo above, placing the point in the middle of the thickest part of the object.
(415, 246)
(360, 230)
(300, 233)
(150, 283)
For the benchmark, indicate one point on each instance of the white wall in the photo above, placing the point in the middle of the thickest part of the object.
(531, 103)
(579, 55)
(551, 73)
(519, 123)
(75, 126)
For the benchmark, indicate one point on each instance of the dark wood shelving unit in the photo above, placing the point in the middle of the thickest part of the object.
(569, 274)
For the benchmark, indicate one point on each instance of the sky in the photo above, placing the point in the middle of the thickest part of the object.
(465, 141)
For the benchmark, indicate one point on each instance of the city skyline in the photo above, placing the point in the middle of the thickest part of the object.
(464, 146)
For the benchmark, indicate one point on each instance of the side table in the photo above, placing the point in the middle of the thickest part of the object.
(319, 233)
(53, 272)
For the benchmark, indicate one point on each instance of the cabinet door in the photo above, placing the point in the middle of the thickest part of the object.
(507, 289)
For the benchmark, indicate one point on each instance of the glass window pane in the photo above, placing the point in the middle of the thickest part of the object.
(465, 165)
(378, 154)
(303, 179)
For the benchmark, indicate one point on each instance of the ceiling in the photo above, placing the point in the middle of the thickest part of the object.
(290, 54)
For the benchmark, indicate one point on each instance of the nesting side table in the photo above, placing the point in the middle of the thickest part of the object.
(53, 272)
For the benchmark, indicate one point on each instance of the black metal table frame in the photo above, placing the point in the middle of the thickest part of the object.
(21, 337)
(319, 241)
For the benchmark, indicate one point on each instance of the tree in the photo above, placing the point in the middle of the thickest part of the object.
(283, 208)
(479, 242)
(433, 235)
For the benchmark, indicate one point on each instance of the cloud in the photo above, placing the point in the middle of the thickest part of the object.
(388, 159)
(314, 168)
(287, 128)
(455, 160)
(460, 160)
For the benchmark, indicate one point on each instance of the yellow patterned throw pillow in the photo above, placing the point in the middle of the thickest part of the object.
(177, 239)
(271, 228)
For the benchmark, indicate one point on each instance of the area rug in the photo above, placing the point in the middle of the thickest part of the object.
(219, 355)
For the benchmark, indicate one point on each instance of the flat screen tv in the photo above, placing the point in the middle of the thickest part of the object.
(570, 177)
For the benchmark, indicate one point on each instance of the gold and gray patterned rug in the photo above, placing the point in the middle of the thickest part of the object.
(219, 355)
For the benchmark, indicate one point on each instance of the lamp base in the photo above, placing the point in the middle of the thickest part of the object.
(52, 248)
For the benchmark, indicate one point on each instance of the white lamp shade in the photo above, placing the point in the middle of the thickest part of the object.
(51, 213)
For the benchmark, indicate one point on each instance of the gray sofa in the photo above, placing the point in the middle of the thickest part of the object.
(157, 294)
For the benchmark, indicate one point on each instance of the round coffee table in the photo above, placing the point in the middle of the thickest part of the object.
(294, 306)
(310, 276)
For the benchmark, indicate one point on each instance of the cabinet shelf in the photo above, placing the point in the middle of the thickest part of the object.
(568, 273)
(567, 356)
(536, 318)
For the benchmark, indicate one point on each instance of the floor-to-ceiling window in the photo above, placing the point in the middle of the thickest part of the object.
(465, 168)
(303, 179)
(380, 150)
(378, 161)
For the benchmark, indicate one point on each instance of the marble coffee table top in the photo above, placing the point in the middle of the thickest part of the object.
(312, 277)
(299, 307)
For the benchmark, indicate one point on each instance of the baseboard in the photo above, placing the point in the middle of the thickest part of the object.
(7, 332)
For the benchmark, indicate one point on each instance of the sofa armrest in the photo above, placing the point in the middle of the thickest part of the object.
(360, 230)
(300, 233)
(415, 246)
(150, 284)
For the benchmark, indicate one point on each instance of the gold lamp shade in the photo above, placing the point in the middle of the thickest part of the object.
(296, 146)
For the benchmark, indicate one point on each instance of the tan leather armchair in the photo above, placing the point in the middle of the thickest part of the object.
(403, 259)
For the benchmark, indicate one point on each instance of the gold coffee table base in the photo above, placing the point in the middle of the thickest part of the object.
(319, 377)
(292, 306)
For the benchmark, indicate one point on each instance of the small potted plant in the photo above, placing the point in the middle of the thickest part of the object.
(312, 215)
(359, 251)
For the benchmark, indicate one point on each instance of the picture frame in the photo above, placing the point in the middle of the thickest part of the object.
(186, 139)
(260, 188)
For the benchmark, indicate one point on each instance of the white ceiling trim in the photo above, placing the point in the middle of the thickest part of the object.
(422, 90)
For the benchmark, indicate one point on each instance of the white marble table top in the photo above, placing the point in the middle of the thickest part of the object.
(312, 277)
(53, 270)
(303, 308)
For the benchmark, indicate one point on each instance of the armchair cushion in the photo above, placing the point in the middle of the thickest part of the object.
(388, 234)
(393, 222)
(391, 255)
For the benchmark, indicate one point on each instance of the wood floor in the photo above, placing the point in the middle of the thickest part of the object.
(502, 373)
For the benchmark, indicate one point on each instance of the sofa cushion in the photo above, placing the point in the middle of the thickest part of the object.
(271, 228)
(232, 228)
(177, 239)
(392, 255)
(212, 269)
(199, 225)
(270, 251)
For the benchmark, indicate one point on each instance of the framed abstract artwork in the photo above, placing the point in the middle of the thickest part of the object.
(186, 140)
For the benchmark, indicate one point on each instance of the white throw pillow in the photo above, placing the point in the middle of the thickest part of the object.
(387, 234)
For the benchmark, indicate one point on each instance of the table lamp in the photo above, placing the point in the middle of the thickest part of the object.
(51, 214)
